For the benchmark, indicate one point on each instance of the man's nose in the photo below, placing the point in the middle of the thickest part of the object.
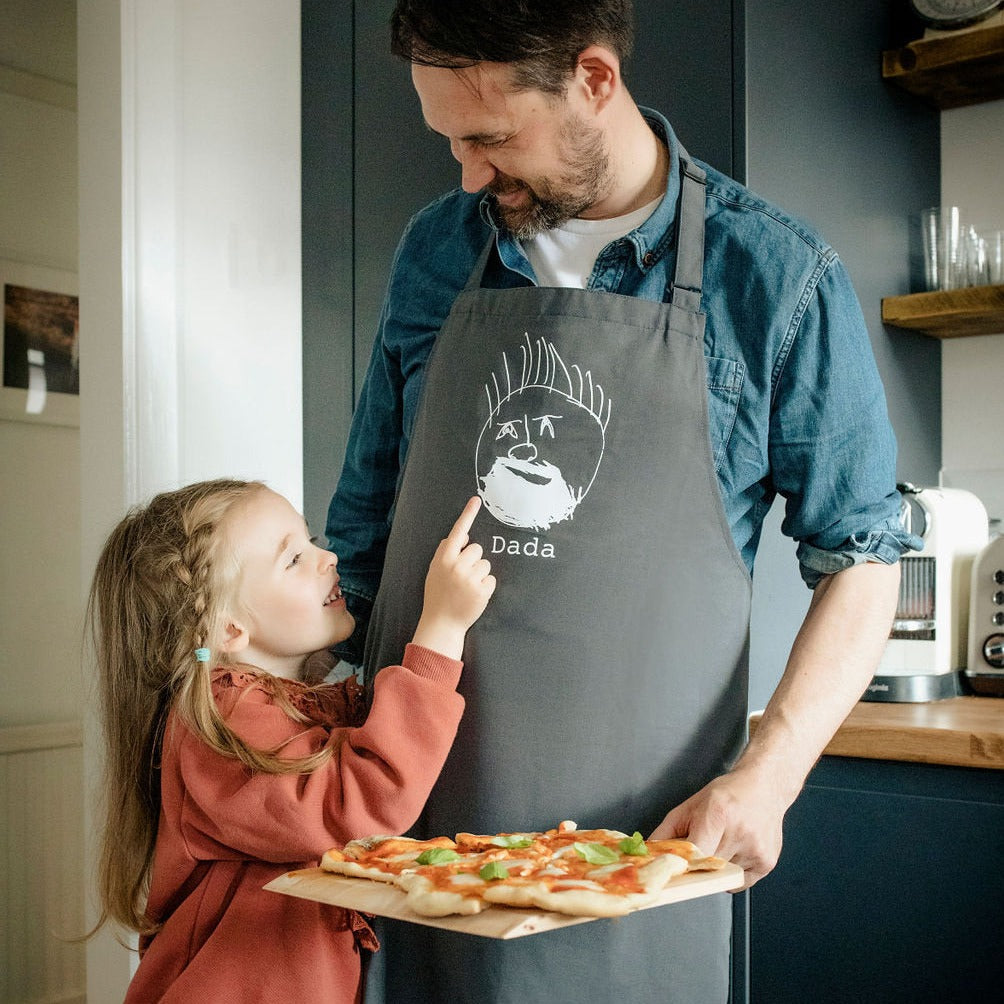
(476, 170)
(326, 560)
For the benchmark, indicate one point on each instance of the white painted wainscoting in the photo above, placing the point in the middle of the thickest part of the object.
(41, 863)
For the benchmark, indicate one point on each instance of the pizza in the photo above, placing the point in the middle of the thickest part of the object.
(584, 873)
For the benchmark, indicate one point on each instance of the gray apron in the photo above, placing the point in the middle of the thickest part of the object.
(607, 680)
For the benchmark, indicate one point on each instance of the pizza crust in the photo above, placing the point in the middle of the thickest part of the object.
(354, 869)
(580, 902)
(426, 898)
(393, 855)
(390, 847)
(517, 892)
(587, 897)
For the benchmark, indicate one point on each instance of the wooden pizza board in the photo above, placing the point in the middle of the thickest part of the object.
(384, 900)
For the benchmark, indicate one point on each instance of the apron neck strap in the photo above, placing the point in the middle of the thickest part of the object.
(474, 279)
(688, 276)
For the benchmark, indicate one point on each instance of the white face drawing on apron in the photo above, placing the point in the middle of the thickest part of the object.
(541, 447)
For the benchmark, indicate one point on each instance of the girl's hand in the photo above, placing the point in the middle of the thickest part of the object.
(457, 588)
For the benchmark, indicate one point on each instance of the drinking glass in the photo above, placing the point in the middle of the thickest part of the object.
(976, 258)
(994, 240)
(937, 249)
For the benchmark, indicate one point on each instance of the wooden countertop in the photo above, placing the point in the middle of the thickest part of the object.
(959, 731)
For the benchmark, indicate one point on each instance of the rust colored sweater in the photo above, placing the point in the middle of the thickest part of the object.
(225, 832)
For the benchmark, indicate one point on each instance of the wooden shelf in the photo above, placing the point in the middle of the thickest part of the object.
(950, 70)
(950, 313)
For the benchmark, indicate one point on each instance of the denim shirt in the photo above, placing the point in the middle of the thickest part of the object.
(796, 405)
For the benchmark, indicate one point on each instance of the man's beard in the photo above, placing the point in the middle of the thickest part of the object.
(551, 204)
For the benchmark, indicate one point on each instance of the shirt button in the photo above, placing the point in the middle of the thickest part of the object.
(648, 260)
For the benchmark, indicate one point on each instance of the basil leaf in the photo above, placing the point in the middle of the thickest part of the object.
(511, 840)
(494, 870)
(633, 845)
(596, 854)
(437, 856)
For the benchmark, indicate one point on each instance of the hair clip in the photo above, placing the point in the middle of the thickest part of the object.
(202, 655)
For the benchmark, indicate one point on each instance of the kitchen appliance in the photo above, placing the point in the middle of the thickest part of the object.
(984, 673)
(926, 649)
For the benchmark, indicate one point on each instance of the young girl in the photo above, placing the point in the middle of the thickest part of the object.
(225, 770)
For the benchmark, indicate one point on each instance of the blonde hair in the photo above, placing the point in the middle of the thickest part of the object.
(162, 588)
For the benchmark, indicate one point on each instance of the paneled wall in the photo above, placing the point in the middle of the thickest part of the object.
(41, 861)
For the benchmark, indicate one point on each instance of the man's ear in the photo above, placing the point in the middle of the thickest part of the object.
(598, 71)
(235, 638)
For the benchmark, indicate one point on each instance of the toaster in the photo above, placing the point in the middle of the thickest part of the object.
(927, 647)
(984, 674)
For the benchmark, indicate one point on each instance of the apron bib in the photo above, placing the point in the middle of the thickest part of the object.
(607, 680)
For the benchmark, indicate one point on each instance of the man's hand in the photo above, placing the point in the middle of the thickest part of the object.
(736, 817)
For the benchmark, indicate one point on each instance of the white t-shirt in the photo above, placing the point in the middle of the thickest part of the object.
(565, 256)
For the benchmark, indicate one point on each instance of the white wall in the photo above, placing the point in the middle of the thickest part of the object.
(40, 486)
(972, 380)
(190, 270)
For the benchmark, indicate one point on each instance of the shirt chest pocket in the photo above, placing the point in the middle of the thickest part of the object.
(725, 381)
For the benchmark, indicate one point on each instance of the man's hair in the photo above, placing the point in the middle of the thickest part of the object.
(540, 40)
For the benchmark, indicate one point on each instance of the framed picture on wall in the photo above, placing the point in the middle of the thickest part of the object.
(40, 348)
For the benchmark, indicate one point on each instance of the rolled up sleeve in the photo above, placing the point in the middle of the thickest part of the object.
(833, 450)
(885, 544)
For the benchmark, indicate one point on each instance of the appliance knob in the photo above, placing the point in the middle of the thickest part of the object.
(993, 650)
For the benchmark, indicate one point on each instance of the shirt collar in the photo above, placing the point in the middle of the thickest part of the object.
(656, 234)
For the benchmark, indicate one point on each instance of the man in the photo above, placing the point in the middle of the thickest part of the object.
(627, 355)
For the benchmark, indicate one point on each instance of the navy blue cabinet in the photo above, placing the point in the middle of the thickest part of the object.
(890, 889)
